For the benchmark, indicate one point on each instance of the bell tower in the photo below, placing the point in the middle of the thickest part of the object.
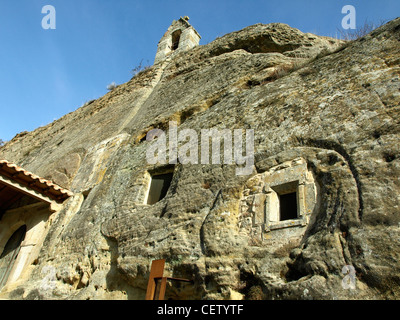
(179, 37)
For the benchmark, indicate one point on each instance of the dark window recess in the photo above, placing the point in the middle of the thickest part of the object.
(176, 36)
(288, 206)
(159, 187)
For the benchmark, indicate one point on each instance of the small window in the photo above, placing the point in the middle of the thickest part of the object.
(283, 206)
(176, 36)
(288, 206)
(159, 186)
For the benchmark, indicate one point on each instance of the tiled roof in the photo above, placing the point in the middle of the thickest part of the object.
(34, 182)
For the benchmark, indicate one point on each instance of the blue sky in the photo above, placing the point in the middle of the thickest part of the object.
(45, 74)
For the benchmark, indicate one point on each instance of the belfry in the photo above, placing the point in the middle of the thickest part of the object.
(180, 36)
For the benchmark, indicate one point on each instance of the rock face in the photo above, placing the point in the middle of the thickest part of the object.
(325, 116)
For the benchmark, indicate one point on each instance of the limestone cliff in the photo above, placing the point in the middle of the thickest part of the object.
(325, 116)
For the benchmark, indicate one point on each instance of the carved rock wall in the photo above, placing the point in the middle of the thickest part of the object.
(324, 112)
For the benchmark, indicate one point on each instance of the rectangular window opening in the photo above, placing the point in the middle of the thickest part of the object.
(288, 206)
(176, 36)
(159, 186)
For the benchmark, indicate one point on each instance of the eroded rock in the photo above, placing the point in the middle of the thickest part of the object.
(326, 130)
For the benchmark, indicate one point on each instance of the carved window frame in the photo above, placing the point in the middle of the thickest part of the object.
(284, 179)
(272, 221)
(150, 174)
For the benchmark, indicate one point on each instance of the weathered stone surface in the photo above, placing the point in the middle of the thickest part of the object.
(333, 105)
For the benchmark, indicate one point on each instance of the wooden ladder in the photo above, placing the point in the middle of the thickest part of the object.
(156, 274)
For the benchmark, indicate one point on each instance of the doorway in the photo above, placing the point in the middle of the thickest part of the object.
(10, 253)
